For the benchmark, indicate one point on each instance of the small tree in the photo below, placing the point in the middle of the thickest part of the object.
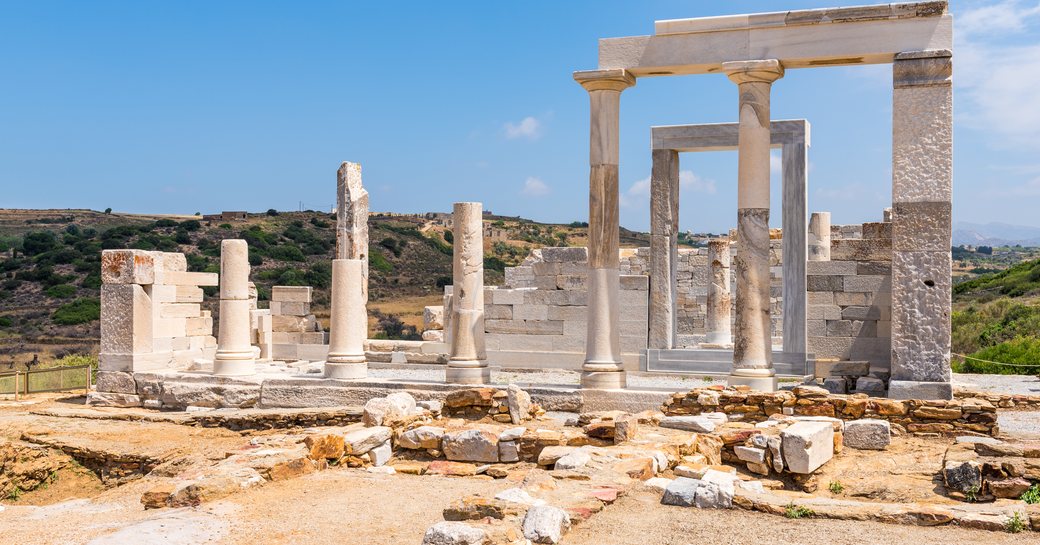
(108, 210)
(272, 212)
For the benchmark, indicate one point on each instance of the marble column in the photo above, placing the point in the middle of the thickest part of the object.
(468, 363)
(922, 191)
(603, 367)
(235, 355)
(719, 301)
(348, 321)
(752, 345)
(352, 218)
(820, 236)
(664, 248)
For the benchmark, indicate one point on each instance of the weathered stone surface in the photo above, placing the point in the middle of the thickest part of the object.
(550, 454)
(508, 451)
(963, 476)
(870, 386)
(636, 468)
(455, 469)
(750, 454)
(867, 434)
(836, 385)
(127, 267)
(704, 494)
(328, 446)
(380, 455)
(454, 533)
(545, 524)
(361, 441)
(376, 410)
(518, 495)
(573, 460)
(116, 382)
(681, 491)
(470, 397)
(921, 314)
(807, 446)
(423, 437)
(477, 507)
(433, 318)
(519, 403)
(470, 446)
(1008, 488)
(696, 423)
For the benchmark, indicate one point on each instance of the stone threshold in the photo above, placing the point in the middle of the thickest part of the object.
(991, 516)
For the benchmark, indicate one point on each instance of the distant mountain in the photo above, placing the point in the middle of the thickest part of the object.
(995, 234)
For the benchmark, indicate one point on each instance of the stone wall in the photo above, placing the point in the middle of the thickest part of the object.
(541, 310)
(850, 297)
(151, 316)
(294, 332)
(956, 417)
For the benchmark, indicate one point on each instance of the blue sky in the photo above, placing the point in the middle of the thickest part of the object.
(180, 107)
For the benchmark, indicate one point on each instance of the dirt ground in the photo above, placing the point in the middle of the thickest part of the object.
(641, 519)
(354, 506)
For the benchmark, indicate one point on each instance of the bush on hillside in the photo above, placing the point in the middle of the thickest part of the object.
(80, 311)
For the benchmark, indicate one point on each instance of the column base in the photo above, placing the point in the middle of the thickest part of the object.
(346, 371)
(467, 375)
(913, 389)
(604, 380)
(759, 380)
(234, 368)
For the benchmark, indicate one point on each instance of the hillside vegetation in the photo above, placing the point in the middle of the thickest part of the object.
(50, 264)
(997, 318)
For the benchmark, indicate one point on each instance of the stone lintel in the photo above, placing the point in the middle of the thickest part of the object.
(878, 12)
(723, 136)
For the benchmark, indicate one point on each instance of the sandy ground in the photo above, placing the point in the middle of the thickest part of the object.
(349, 506)
(641, 519)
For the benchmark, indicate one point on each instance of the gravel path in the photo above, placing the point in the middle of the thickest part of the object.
(1001, 384)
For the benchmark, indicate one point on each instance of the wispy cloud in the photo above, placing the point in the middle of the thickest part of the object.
(997, 71)
(535, 187)
(529, 127)
(638, 194)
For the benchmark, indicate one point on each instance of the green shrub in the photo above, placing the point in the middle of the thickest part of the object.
(377, 261)
(493, 263)
(1015, 524)
(182, 237)
(38, 242)
(61, 291)
(6, 321)
(319, 275)
(1032, 495)
(272, 212)
(191, 225)
(1021, 352)
(80, 311)
(286, 252)
(255, 259)
(225, 226)
(75, 360)
(92, 281)
(164, 223)
(793, 511)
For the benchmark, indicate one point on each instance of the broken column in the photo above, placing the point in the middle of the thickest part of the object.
(820, 236)
(235, 356)
(603, 367)
(348, 321)
(752, 344)
(352, 217)
(468, 363)
(719, 302)
(922, 189)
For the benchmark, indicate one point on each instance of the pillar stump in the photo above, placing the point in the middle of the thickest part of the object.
(752, 344)
(719, 302)
(468, 363)
(235, 355)
(348, 322)
(820, 236)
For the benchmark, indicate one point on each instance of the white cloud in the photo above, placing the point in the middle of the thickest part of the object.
(1029, 188)
(528, 127)
(997, 72)
(638, 194)
(534, 187)
(689, 180)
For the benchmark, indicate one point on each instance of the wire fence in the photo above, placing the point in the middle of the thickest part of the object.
(51, 379)
(1033, 365)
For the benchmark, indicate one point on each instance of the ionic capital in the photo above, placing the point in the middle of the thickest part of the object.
(605, 80)
(763, 71)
